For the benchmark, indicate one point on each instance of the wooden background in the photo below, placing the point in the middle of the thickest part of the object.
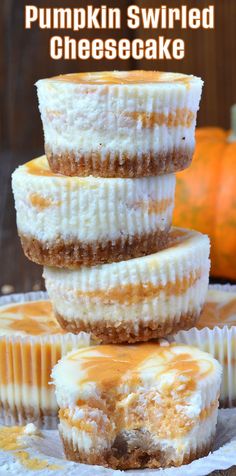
(24, 58)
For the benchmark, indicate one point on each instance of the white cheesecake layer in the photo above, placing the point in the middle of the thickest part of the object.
(119, 112)
(162, 286)
(52, 207)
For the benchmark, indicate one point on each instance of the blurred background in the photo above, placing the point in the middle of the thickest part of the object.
(24, 59)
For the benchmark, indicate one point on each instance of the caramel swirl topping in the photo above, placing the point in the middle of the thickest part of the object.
(108, 365)
(124, 77)
(32, 318)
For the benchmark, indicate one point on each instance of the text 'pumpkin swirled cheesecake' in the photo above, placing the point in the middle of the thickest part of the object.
(135, 300)
(119, 124)
(69, 221)
(31, 343)
(146, 405)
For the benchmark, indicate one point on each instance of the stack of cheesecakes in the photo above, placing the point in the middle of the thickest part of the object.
(96, 212)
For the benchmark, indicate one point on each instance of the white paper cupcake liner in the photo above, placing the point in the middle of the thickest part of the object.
(221, 343)
(48, 449)
(25, 394)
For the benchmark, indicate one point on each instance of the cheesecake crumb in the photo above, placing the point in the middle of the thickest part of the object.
(32, 430)
(7, 289)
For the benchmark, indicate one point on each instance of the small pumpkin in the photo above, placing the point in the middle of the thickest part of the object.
(206, 195)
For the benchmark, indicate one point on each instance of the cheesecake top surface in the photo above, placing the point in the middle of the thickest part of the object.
(28, 318)
(39, 167)
(106, 368)
(127, 78)
(219, 309)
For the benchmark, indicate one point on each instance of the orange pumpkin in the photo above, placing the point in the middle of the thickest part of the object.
(206, 197)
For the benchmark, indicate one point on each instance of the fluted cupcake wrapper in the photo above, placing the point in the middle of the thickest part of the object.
(153, 458)
(25, 366)
(221, 343)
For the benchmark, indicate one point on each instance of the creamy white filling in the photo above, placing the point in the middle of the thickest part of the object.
(100, 113)
(162, 308)
(134, 141)
(91, 209)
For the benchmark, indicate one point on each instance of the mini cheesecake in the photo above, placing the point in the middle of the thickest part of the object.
(72, 221)
(219, 309)
(215, 333)
(120, 123)
(135, 300)
(31, 343)
(137, 406)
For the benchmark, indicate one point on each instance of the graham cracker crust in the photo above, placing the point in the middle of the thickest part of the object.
(20, 415)
(119, 164)
(74, 254)
(126, 332)
(122, 457)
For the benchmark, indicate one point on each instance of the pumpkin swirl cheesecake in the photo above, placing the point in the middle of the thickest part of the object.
(118, 404)
(120, 123)
(215, 332)
(69, 221)
(135, 300)
(31, 343)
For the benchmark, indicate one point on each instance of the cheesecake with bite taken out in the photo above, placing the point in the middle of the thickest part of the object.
(147, 405)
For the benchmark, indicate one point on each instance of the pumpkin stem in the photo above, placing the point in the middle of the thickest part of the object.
(232, 135)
